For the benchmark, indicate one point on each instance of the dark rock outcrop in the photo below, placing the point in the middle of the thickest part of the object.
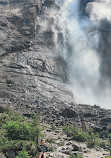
(75, 148)
(69, 113)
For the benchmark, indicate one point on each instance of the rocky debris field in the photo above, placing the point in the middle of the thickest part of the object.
(63, 146)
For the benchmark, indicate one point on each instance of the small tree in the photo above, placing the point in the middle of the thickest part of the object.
(23, 154)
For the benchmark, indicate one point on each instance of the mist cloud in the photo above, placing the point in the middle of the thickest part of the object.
(98, 11)
(84, 50)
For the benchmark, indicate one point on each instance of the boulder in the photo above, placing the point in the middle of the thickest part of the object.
(27, 115)
(105, 120)
(68, 152)
(97, 129)
(75, 148)
(2, 109)
(102, 145)
(69, 113)
(11, 154)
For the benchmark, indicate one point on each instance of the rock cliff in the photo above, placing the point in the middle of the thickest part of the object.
(31, 72)
(33, 75)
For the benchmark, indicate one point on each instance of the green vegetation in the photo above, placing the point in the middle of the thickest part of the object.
(18, 133)
(61, 143)
(23, 154)
(51, 149)
(108, 144)
(21, 135)
(92, 139)
(50, 140)
(76, 156)
(53, 127)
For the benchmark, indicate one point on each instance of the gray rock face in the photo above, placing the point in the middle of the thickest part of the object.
(16, 25)
(32, 73)
(95, 117)
(31, 77)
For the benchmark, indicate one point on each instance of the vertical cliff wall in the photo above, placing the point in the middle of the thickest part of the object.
(35, 52)
(32, 74)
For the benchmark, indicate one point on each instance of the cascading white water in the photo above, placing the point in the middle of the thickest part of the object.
(82, 37)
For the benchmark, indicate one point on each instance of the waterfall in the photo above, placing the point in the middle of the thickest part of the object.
(79, 47)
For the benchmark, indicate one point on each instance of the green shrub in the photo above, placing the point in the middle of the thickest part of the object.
(17, 132)
(50, 140)
(61, 143)
(76, 156)
(51, 149)
(4, 118)
(17, 117)
(53, 127)
(10, 144)
(93, 140)
(23, 154)
(76, 134)
(9, 116)
(90, 137)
